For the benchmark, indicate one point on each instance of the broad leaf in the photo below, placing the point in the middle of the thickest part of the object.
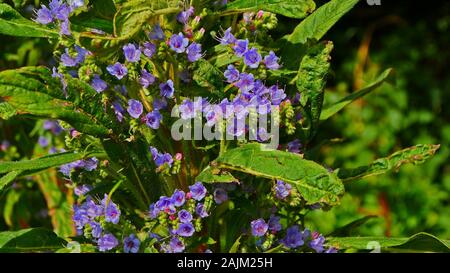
(415, 155)
(30, 240)
(289, 8)
(320, 21)
(12, 23)
(33, 91)
(333, 109)
(313, 182)
(421, 242)
(212, 175)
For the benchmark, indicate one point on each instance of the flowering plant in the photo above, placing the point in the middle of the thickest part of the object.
(122, 106)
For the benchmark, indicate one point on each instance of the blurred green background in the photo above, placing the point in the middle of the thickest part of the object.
(413, 38)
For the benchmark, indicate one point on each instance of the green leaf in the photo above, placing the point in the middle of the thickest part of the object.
(311, 79)
(33, 91)
(348, 229)
(235, 247)
(313, 182)
(6, 110)
(320, 21)
(30, 240)
(333, 109)
(8, 178)
(212, 175)
(12, 23)
(208, 76)
(415, 155)
(290, 8)
(420, 242)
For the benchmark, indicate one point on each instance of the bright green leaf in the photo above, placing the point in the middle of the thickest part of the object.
(30, 240)
(211, 175)
(290, 8)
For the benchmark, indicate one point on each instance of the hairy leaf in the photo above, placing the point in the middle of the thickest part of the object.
(12, 23)
(333, 109)
(211, 175)
(32, 239)
(313, 182)
(320, 21)
(290, 8)
(415, 155)
(208, 76)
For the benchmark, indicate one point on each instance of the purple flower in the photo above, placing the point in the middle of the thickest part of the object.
(178, 198)
(59, 10)
(131, 244)
(159, 104)
(81, 53)
(167, 89)
(112, 212)
(201, 210)
(165, 204)
(153, 211)
(176, 245)
(241, 47)
(82, 190)
(65, 27)
(274, 223)
(44, 15)
(252, 58)
(187, 110)
(232, 74)
(98, 84)
(294, 146)
(227, 38)
(282, 189)
(185, 230)
(118, 70)
(92, 209)
(146, 78)
(246, 82)
(80, 217)
(107, 242)
(198, 191)
(259, 227)
(96, 229)
(148, 49)
(277, 95)
(178, 43)
(153, 119)
(157, 33)
(331, 250)
(67, 60)
(43, 142)
(271, 61)
(220, 195)
(90, 164)
(132, 54)
(194, 52)
(184, 216)
(317, 242)
(74, 4)
(161, 159)
(135, 108)
(183, 16)
(118, 110)
(293, 238)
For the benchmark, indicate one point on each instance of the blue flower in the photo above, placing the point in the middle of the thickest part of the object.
(185, 230)
(165, 204)
(194, 52)
(74, 4)
(153, 119)
(176, 245)
(92, 209)
(96, 229)
(232, 74)
(246, 82)
(98, 84)
(80, 217)
(118, 110)
(167, 89)
(200, 210)
(317, 242)
(198, 191)
(148, 49)
(146, 78)
(241, 47)
(159, 104)
(60, 11)
(293, 238)
(271, 61)
(183, 16)
(118, 70)
(187, 109)
(90, 164)
(153, 211)
(220, 195)
(112, 212)
(178, 43)
(276, 95)
(157, 33)
(82, 189)
(43, 141)
(65, 27)
(259, 227)
(107, 242)
(294, 146)
(282, 189)
(68, 60)
(132, 54)
(252, 58)
(44, 15)
(331, 250)
(135, 108)
(227, 38)
(178, 198)
(274, 223)
(184, 216)
(131, 244)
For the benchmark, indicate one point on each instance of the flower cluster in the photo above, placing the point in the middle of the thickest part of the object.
(87, 165)
(182, 215)
(165, 162)
(58, 12)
